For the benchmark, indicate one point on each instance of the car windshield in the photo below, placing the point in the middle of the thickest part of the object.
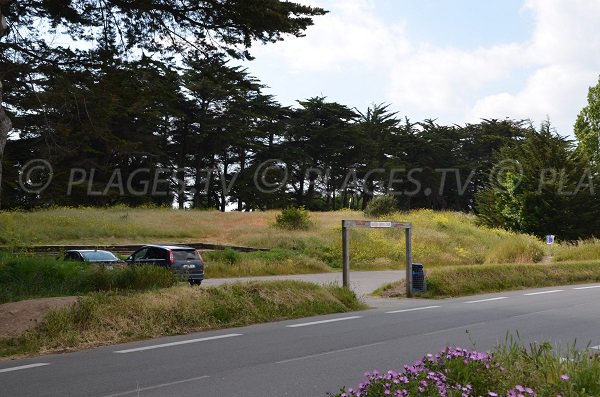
(93, 256)
(180, 255)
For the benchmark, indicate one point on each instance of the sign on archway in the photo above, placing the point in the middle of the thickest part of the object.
(347, 224)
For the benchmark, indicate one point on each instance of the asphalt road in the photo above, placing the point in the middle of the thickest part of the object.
(308, 357)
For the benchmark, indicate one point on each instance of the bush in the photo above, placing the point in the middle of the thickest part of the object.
(293, 218)
(227, 256)
(381, 205)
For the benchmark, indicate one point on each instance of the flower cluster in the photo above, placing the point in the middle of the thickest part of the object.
(454, 372)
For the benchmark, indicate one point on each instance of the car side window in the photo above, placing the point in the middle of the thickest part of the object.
(139, 255)
(155, 253)
(72, 256)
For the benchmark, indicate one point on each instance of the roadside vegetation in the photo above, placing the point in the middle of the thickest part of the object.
(24, 277)
(460, 256)
(471, 280)
(440, 238)
(578, 251)
(509, 370)
(112, 317)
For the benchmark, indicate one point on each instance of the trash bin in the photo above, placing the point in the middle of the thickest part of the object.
(418, 278)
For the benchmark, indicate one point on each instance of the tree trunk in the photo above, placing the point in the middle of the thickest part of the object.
(5, 124)
(242, 155)
(224, 178)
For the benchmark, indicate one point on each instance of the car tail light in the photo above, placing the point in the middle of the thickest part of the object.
(199, 256)
(171, 257)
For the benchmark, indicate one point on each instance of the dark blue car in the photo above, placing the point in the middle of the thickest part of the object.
(184, 262)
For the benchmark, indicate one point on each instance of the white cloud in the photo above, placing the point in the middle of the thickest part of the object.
(544, 74)
(556, 91)
(563, 49)
(350, 34)
(559, 61)
(445, 80)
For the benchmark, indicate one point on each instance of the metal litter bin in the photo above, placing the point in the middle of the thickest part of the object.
(418, 278)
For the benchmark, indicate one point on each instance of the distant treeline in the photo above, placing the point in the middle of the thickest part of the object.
(207, 136)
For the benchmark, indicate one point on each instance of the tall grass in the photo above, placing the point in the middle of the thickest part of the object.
(549, 370)
(229, 263)
(107, 317)
(33, 277)
(580, 251)
(439, 238)
(470, 280)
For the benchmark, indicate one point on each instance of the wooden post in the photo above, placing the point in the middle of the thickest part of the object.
(345, 256)
(408, 262)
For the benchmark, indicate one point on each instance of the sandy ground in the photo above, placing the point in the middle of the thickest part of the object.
(18, 317)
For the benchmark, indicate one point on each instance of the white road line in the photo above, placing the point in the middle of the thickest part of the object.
(590, 287)
(183, 342)
(330, 352)
(544, 292)
(24, 367)
(595, 347)
(323, 321)
(138, 390)
(412, 310)
(489, 300)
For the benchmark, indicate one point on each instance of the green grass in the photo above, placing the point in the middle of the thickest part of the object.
(25, 277)
(580, 251)
(109, 317)
(472, 280)
(439, 238)
(228, 263)
(540, 366)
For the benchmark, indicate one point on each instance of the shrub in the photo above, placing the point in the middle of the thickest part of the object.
(293, 218)
(452, 372)
(227, 256)
(381, 205)
(510, 370)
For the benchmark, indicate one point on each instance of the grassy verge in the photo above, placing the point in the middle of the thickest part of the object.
(510, 370)
(108, 317)
(33, 277)
(471, 280)
(579, 251)
(229, 263)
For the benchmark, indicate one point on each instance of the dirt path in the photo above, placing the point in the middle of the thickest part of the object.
(17, 317)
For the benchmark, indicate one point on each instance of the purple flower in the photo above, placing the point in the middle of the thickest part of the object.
(564, 377)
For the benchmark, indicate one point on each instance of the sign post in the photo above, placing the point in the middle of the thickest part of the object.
(347, 224)
(346, 256)
(550, 242)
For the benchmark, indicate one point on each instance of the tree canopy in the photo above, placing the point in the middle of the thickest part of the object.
(141, 102)
(587, 126)
(32, 34)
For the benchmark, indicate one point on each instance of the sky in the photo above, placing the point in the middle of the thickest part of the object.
(455, 61)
